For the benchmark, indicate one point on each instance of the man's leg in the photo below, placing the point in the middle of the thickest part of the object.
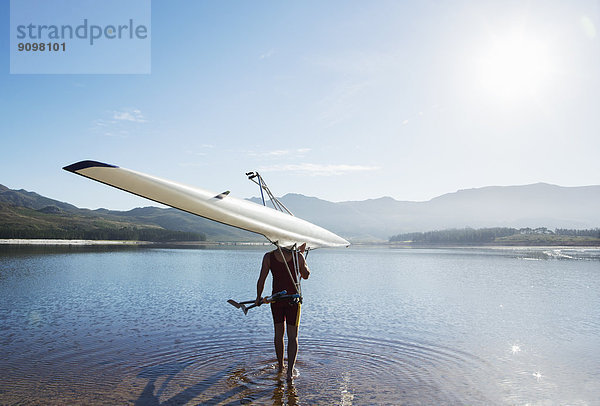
(292, 334)
(279, 329)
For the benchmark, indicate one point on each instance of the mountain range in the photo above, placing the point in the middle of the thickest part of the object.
(535, 205)
(373, 220)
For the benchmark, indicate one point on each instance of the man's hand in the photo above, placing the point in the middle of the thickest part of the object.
(305, 273)
(258, 301)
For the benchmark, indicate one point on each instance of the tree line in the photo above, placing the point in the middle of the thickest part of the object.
(119, 234)
(594, 232)
(485, 235)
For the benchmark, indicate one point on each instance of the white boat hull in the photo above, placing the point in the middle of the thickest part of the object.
(277, 227)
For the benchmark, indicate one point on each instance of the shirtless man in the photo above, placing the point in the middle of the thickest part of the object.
(283, 312)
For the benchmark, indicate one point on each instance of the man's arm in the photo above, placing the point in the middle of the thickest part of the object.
(264, 271)
(304, 271)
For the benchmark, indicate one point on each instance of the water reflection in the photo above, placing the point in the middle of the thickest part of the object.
(228, 386)
(149, 395)
(152, 327)
(331, 370)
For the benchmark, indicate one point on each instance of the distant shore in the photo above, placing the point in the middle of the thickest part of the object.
(503, 244)
(24, 241)
(192, 244)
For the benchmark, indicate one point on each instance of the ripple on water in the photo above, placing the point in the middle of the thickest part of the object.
(224, 368)
(343, 370)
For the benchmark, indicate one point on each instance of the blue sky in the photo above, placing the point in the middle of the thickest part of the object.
(342, 100)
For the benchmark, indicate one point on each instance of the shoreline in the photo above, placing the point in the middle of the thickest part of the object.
(49, 242)
(41, 241)
(500, 247)
(192, 244)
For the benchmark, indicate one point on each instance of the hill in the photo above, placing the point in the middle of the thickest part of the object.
(28, 215)
(534, 206)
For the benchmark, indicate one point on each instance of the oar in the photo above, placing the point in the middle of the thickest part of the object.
(268, 299)
(239, 304)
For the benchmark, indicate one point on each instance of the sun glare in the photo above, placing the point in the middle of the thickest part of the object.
(515, 67)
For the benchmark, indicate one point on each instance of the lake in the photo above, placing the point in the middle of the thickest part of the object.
(383, 326)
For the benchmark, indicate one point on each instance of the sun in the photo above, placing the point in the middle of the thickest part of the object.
(515, 67)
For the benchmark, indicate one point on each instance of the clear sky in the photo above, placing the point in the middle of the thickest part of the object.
(342, 100)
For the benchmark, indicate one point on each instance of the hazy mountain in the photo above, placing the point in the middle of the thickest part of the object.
(537, 205)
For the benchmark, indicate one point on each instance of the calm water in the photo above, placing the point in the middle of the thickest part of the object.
(379, 326)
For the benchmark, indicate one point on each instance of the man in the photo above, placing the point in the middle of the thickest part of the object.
(283, 312)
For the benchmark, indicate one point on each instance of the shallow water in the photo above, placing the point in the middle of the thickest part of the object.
(379, 326)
